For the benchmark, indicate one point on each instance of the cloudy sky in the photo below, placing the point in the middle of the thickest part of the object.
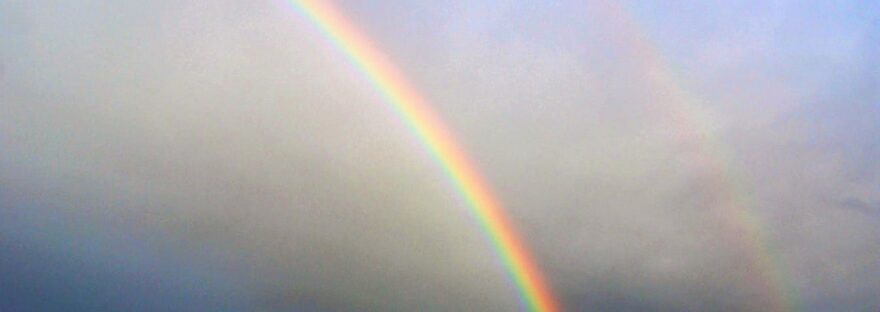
(225, 156)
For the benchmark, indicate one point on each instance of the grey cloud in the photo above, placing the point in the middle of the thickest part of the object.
(223, 156)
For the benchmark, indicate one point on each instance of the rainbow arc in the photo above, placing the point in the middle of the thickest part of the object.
(415, 111)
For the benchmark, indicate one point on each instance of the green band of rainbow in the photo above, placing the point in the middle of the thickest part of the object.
(414, 110)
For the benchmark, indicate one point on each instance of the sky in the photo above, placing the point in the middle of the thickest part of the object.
(225, 156)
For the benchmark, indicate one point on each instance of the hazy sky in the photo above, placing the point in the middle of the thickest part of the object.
(224, 156)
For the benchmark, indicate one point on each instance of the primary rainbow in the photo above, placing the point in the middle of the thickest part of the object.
(415, 111)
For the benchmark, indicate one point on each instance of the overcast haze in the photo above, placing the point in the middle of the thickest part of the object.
(224, 156)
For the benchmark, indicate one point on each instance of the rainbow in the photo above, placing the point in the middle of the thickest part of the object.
(742, 227)
(415, 111)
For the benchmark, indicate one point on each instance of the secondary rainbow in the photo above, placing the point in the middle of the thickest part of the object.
(742, 225)
(415, 111)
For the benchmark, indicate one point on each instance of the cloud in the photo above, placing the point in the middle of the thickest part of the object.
(223, 156)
